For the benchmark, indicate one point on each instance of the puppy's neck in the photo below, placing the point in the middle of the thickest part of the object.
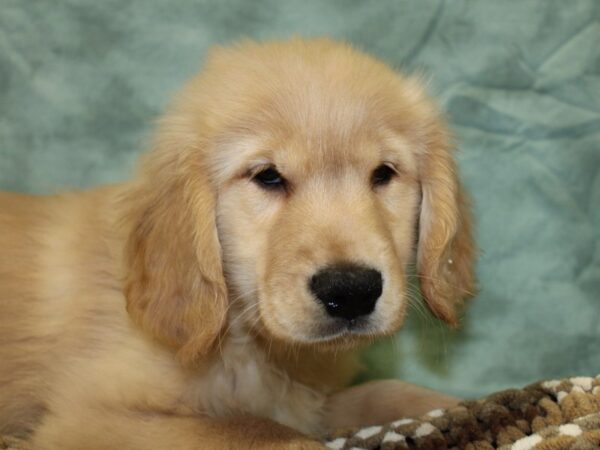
(325, 370)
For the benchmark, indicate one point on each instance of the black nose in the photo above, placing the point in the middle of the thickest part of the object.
(347, 290)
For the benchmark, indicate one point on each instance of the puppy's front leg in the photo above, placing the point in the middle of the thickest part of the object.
(378, 402)
(107, 429)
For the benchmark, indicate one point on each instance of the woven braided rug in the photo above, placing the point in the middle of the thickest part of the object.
(550, 415)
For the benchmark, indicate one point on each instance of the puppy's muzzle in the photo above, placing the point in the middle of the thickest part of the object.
(347, 291)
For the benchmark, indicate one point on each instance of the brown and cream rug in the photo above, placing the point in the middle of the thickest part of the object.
(549, 415)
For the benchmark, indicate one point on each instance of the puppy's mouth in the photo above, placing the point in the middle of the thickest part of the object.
(341, 328)
(337, 305)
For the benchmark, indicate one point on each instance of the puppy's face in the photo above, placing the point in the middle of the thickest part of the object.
(284, 194)
(317, 224)
(317, 203)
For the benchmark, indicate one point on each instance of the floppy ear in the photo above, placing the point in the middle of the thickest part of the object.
(174, 283)
(446, 251)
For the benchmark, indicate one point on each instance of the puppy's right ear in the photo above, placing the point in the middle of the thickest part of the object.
(446, 252)
(174, 283)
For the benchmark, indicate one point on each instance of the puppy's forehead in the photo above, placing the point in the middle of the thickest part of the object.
(313, 110)
(301, 155)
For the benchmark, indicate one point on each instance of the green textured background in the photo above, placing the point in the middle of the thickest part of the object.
(81, 83)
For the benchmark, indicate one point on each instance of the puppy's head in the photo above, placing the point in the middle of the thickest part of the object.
(291, 187)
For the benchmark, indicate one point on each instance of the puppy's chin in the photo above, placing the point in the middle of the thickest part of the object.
(327, 333)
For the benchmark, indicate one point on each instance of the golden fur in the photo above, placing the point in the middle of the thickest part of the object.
(172, 311)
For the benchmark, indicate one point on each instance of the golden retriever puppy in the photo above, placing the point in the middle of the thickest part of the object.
(215, 300)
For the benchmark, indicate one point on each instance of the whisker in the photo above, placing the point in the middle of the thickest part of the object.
(428, 277)
(239, 318)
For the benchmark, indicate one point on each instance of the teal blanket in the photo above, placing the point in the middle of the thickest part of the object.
(81, 83)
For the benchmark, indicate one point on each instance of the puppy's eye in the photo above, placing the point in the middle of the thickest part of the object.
(269, 178)
(382, 175)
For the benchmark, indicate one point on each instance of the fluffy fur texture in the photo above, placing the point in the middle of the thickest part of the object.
(173, 311)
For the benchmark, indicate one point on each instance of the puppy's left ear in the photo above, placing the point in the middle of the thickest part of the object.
(446, 250)
(174, 283)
